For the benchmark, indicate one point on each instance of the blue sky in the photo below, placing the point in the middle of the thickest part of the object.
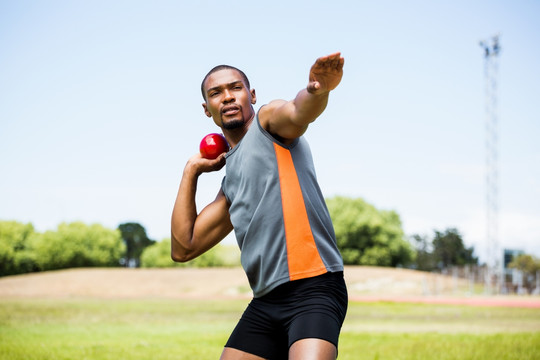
(100, 106)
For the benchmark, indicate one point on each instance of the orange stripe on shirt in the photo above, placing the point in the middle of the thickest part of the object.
(302, 254)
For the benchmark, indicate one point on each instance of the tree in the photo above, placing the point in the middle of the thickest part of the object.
(77, 245)
(136, 240)
(15, 255)
(444, 250)
(449, 250)
(424, 253)
(529, 266)
(367, 236)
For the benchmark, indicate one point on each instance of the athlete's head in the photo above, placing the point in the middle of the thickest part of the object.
(223, 67)
(228, 97)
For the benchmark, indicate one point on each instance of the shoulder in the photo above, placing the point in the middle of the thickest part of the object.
(266, 112)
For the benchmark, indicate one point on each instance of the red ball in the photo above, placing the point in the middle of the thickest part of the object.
(213, 145)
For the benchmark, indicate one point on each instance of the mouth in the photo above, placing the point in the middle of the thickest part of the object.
(229, 110)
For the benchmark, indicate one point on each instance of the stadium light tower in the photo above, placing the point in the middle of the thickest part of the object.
(492, 49)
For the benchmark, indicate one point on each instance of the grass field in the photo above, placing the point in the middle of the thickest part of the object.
(195, 329)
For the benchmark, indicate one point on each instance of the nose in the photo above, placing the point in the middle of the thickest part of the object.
(228, 96)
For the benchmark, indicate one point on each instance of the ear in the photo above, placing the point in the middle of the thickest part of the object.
(206, 110)
(253, 97)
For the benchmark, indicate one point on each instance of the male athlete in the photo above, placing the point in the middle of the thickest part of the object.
(270, 197)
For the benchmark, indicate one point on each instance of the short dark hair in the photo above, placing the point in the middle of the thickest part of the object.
(223, 67)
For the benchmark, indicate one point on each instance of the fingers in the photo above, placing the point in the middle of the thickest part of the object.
(203, 165)
(326, 73)
(331, 62)
(214, 164)
(221, 160)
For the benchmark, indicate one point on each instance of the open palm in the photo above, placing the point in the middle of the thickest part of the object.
(325, 75)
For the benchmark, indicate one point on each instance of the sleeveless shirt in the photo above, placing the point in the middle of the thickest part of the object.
(280, 218)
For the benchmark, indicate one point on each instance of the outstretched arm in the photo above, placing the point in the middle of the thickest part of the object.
(192, 234)
(290, 119)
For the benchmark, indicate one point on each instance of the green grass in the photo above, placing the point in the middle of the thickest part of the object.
(189, 329)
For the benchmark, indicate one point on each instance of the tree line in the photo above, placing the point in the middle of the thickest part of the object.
(365, 236)
(76, 244)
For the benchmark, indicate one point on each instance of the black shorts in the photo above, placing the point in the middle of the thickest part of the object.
(307, 308)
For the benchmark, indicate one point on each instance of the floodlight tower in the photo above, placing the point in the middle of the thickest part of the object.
(492, 49)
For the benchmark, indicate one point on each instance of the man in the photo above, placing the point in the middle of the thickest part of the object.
(270, 197)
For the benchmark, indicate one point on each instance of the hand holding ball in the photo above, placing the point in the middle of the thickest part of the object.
(213, 145)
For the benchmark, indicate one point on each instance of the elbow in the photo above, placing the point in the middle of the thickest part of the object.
(179, 258)
(179, 253)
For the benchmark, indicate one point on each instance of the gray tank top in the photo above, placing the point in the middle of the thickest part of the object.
(279, 215)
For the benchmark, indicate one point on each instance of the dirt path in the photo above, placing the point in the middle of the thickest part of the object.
(364, 284)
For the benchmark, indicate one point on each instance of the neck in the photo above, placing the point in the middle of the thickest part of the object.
(234, 136)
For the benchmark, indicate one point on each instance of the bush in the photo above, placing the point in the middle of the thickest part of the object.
(159, 255)
(78, 245)
(368, 236)
(15, 255)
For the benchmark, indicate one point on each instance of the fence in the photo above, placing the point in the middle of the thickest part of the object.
(480, 280)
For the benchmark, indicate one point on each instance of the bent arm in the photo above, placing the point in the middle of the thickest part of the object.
(290, 119)
(193, 234)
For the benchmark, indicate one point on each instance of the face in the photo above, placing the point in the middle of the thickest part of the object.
(228, 100)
